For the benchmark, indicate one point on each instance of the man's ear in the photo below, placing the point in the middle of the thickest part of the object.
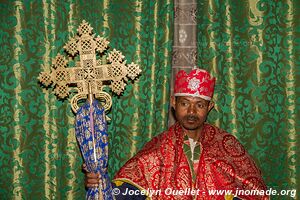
(173, 101)
(211, 106)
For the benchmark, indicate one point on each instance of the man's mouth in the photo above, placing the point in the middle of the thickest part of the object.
(191, 118)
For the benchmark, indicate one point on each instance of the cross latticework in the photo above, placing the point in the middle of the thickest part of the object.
(97, 67)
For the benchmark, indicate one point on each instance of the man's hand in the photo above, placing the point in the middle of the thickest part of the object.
(91, 179)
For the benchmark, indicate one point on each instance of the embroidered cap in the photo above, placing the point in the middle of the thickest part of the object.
(198, 83)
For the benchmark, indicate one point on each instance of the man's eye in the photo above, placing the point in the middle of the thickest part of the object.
(183, 103)
(200, 105)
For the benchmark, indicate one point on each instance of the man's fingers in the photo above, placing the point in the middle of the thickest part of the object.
(93, 175)
(91, 185)
(92, 180)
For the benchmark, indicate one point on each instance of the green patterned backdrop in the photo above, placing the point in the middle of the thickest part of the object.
(252, 47)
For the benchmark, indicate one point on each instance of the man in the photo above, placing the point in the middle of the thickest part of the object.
(193, 159)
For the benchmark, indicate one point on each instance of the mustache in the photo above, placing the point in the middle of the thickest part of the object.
(191, 117)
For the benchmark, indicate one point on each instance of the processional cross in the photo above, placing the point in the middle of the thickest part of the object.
(90, 75)
(95, 69)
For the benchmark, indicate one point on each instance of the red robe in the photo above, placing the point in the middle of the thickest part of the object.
(162, 167)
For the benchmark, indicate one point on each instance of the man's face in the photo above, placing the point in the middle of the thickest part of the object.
(191, 112)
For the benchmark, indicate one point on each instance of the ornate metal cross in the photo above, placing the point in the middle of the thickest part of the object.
(95, 69)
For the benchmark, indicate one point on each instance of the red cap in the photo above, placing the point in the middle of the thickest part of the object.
(198, 83)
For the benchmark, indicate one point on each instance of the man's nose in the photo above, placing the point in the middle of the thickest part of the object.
(192, 109)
